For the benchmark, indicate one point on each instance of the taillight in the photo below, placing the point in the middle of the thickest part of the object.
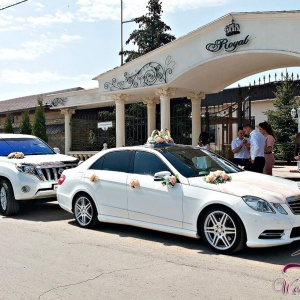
(61, 179)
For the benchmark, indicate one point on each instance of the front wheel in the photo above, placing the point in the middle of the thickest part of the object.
(8, 204)
(85, 211)
(222, 230)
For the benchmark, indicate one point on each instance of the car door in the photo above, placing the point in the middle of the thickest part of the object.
(110, 189)
(152, 202)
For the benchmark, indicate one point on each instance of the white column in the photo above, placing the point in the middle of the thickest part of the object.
(196, 114)
(120, 100)
(165, 95)
(151, 116)
(68, 112)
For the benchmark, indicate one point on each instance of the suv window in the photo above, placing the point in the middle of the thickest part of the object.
(118, 161)
(148, 164)
(26, 145)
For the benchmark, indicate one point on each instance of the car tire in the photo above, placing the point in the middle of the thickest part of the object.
(85, 211)
(8, 204)
(223, 230)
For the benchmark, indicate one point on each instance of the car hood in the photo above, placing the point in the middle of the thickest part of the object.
(269, 188)
(39, 159)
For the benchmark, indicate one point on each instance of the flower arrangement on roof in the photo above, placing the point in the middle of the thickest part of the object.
(16, 155)
(169, 180)
(160, 137)
(217, 177)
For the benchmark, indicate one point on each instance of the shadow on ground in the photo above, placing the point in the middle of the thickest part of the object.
(42, 212)
(280, 255)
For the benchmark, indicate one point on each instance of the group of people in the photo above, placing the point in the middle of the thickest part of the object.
(253, 149)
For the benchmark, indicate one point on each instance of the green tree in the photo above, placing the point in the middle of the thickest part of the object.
(25, 126)
(39, 124)
(8, 127)
(280, 119)
(152, 32)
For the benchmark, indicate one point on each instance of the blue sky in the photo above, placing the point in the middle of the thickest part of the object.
(59, 44)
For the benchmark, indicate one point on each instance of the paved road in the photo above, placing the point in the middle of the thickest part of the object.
(44, 255)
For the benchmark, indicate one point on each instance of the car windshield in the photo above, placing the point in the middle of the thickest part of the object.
(195, 162)
(28, 146)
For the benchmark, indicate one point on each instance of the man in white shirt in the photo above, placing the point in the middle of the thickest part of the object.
(240, 149)
(257, 145)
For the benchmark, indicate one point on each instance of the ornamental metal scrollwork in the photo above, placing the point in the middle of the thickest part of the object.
(150, 74)
(58, 101)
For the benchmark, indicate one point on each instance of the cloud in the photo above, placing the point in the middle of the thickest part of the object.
(95, 10)
(24, 77)
(103, 10)
(33, 49)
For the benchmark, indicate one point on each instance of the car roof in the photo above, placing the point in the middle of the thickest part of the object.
(169, 147)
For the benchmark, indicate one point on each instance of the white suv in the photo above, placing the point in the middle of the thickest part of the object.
(29, 169)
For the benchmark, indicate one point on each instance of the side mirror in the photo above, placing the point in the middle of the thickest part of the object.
(159, 175)
(56, 150)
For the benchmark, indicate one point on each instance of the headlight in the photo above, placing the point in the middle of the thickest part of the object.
(258, 204)
(279, 208)
(28, 169)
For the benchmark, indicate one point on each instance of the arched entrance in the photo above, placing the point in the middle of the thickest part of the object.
(202, 62)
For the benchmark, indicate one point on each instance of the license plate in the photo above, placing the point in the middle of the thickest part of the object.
(55, 186)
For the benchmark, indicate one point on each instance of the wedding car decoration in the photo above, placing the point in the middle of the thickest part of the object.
(169, 180)
(217, 177)
(16, 155)
(160, 137)
(134, 183)
(94, 178)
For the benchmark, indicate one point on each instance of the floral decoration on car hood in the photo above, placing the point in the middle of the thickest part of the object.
(217, 177)
(16, 155)
(269, 188)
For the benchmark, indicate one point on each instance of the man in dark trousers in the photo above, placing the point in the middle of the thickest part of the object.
(257, 145)
(240, 150)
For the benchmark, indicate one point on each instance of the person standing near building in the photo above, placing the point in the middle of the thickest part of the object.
(257, 146)
(266, 129)
(240, 150)
(297, 150)
(203, 142)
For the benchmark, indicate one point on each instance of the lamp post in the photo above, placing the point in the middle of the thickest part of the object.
(122, 22)
(296, 116)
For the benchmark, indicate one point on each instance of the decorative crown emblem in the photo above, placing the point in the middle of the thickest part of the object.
(232, 29)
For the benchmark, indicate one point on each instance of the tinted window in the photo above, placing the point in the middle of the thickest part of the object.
(97, 165)
(26, 145)
(194, 162)
(148, 164)
(118, 161)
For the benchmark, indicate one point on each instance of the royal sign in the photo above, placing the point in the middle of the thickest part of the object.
(225, 43)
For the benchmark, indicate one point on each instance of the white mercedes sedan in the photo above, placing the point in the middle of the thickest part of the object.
(185, 191)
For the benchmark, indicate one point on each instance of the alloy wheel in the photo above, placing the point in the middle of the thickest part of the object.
(3, 198)
(84, 212)
(220, 230)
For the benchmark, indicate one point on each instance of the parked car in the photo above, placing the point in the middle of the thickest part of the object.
(185, 191)
(29, 170)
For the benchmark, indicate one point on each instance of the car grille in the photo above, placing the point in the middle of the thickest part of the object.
(294, 204)
(52, 171)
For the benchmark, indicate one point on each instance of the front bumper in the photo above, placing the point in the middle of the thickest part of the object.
(27, 187)
(267, 229)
